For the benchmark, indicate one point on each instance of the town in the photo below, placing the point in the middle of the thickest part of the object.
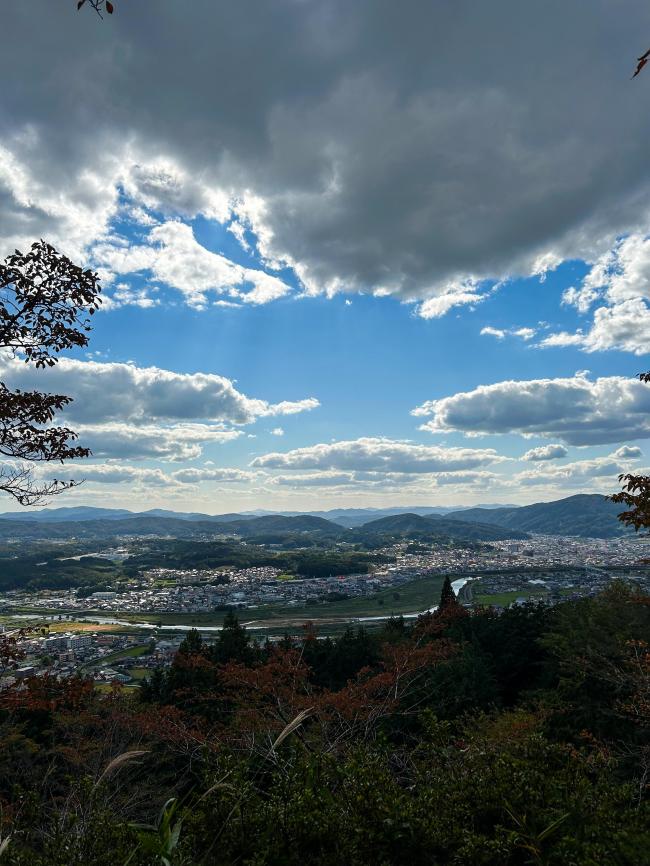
(62, 633)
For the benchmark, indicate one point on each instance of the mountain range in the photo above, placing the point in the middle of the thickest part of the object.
(344, 516)
(585, 515)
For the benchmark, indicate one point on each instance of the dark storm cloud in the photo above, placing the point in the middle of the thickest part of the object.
(397, 146)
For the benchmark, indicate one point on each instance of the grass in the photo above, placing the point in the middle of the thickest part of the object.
(131, 652)
(72, 625)
(139, 673)
(503, 599)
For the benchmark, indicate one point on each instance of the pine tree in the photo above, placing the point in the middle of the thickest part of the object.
(448, 600)
(233, 642)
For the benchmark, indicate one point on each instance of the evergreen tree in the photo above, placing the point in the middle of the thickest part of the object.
(192, 644)
(233, 643)
(448, 600)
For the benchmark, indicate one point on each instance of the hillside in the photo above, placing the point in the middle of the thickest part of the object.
(173, 527)
(85, 513)
(277, 524)
(432, 527)
(106, 528)
(584, 515)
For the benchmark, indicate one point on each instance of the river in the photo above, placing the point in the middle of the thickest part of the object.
(457, 585)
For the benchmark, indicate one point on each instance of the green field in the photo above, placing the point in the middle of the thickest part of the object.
(139, 674)
(130, 652)
(503, 599)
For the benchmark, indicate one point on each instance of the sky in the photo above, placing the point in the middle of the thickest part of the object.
(352, 254)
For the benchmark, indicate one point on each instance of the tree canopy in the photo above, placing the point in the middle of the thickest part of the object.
(46, 302)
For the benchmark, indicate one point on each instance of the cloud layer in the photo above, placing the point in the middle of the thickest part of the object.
(173, 256)
(356, 141)
(104, 392)
(379, 455)
(131, 412)
(576, 410)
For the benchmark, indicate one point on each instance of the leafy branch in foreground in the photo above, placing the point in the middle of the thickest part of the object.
(45, 306)
(635, 493)
(98, 5)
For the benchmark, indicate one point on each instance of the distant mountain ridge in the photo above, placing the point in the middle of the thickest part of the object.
(587, 515)
(584, 515)
(343, 516)
(431, 527)
(170, 526)
(270, 529)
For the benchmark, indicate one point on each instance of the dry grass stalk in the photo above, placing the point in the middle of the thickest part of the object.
(118, 762)
(291, 727)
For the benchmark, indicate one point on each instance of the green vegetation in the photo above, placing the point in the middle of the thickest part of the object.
(585, 514)
(48, 569)
(503, 599)
(131, 652)
(512, 739)
(139, 674)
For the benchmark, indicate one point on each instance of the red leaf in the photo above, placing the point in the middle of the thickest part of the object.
(109, 7)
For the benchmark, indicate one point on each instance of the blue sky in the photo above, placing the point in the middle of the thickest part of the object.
(329, 280)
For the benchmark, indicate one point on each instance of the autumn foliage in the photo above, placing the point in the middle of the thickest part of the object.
(509, 739)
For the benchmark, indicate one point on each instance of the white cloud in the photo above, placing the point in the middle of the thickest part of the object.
(163, 185)
(111, 473)
(69, 205)
(500, 333)
(620, 281)
(441, 304)
(572, 474)
(575, 410)
(277, 431)
(581, 298)
(115, 392)
(116, 472)
(135, 413)
(562, 338)
(194, 475)
(624, 326)
(125, 296)
(546, 452)
(525, 333)
(380, 455)
(628, 452)
(130, 442)
(493, 332)
(174, 257)
(317, 479)
(386, 481)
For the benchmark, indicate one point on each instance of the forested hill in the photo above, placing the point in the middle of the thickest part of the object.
(585, 515)
(432, 527)
(582, 515)
(172, 527)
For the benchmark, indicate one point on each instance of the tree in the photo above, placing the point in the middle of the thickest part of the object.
(233, 642)
(447, 596)
(635, 493)
(98, 5)
(45, 304)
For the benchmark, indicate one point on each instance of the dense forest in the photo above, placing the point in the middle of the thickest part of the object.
(518, 738)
